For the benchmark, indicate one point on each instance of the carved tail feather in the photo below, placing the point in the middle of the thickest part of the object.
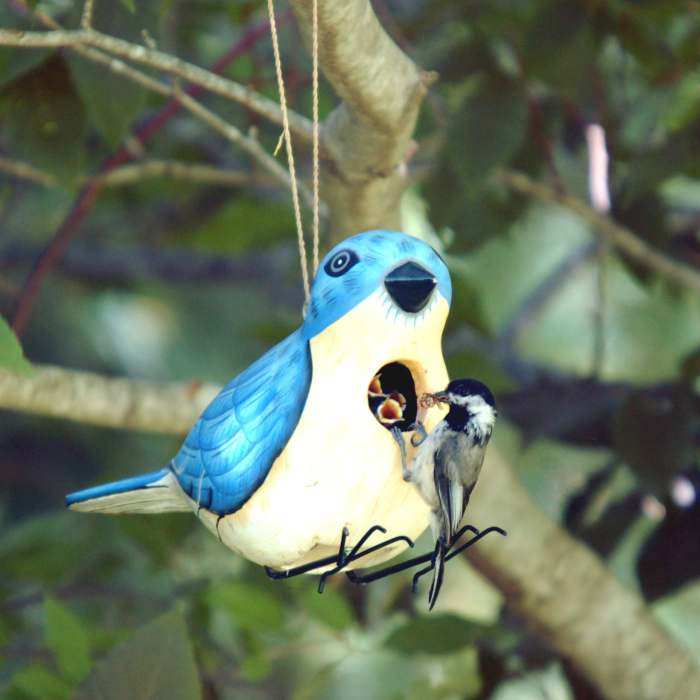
(155, 492)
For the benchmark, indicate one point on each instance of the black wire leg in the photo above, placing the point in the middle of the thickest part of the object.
(454, 552)
(344, 559)
(389, 570)
(422, 559)
(458, 534)
(341, 559)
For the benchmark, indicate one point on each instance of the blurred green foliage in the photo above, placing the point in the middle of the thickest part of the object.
(141, 607)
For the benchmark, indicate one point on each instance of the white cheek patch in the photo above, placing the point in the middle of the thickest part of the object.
(483, 413)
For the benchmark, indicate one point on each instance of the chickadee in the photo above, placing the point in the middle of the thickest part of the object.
(448, 461)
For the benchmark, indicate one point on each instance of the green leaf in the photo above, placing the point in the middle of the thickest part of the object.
(680, 614)
(561, 48)
(469, 363)
(37, 681)
(488, 132)
(255, 667)
(16, 62)
(249, 606)
(684, 106)
(111, 101)
(44, 119)
(331, 608)
(11, 356)
(437, 634)
(244, 225)
(156, 663)
(68, 640)
(548, 684)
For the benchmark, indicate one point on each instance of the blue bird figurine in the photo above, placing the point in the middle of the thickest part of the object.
(288, 465)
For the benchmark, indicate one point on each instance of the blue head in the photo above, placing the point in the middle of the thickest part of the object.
(406, 271)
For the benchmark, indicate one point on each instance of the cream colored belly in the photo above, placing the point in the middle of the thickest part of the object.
(341, 468)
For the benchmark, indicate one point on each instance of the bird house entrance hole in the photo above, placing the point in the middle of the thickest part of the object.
(391, 396)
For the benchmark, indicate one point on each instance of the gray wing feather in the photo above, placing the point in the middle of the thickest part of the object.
(456, 472)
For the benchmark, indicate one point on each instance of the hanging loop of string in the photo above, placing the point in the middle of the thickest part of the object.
(303, 259)
(290, 153)
(314, 101)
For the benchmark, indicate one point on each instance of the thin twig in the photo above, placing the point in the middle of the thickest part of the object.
(619, 236)
(246, 143)
(86, 19)
(177, 170)
(88, 194)
(25, 171)
(130, 174)
(160, 61)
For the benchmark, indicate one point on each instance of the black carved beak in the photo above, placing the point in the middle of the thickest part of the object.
(410, 286)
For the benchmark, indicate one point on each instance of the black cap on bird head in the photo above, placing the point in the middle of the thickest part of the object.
(470, 387)
(463, 395)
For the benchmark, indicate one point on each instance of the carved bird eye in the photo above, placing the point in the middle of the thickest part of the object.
(341, 262)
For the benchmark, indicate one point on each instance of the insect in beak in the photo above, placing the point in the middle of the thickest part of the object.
(430, 400)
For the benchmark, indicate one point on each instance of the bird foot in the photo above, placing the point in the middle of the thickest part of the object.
(339, 561)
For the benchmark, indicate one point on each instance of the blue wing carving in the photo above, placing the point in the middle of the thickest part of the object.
(232, 447)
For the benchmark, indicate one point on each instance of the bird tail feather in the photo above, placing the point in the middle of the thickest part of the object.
(438, 572)
(155, 492)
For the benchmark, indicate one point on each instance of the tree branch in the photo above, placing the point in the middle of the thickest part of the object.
(136, 172)
(568, 596)
(619, 236)
(86, 19)
(116, 403)
(176, 170)
(367, 138)
(25, 171)
(9, 37)
(161, 61)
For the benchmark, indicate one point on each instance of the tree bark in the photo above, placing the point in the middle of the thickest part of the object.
(564, 593)
(368, 137)
(116, 403)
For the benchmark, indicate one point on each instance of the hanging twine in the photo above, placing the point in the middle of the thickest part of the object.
(316, 166)
(290, 154)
